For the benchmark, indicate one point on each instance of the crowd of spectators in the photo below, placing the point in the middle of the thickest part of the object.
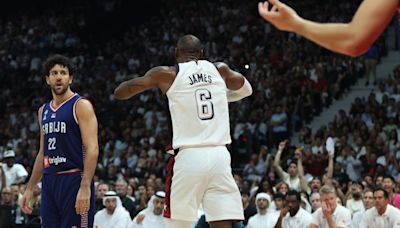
(293, 81)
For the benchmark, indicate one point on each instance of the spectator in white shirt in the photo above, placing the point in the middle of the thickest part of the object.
(354, 198)
(315, 199)
(152, 217)
(291, 177)
(113, 215)
(383, 215)
(368, 201)
(297, 217)
(265, 217)
(330, 214)
(15, 173)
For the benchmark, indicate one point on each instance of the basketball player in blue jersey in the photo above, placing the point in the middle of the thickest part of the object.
(353, 38)
(68, 152)
(198, 93)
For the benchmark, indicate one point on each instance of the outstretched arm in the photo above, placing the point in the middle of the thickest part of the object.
(353, 38)
(329, 173)
(277, 160)
(237, 84)
(300, 169)
(130, 88)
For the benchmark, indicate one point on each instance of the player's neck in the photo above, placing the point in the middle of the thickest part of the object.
(382, 210)
(59, 99)
(262, 211)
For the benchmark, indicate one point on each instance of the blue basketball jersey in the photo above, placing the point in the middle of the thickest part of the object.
(63, 148)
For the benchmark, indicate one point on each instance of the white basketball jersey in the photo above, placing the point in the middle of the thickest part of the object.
(198, 106)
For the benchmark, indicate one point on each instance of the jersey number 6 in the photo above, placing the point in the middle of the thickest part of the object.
(205, 107)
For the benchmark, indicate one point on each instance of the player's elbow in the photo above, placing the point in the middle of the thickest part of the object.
(355, 50)
(119, 93)
(356, 46)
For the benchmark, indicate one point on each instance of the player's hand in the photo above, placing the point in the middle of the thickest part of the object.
(282, 145)
(24, 202)
(284, 211)
(140, 219)
(326, 209)
(82, 203)
(281, 16)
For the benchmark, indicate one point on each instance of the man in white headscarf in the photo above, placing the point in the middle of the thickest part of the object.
(113, 215)
(152, 217)
(265, 218)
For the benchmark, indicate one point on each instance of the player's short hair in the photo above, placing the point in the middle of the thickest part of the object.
(327, 189)
(294, 193)
(279, 195)
(61, 60)
(385, 193)
(389, 177)
(366, 190)
(189, 44)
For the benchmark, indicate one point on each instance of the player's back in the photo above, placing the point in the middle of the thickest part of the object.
(198, 106)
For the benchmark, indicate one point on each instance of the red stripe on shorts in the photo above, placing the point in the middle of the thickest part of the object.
(168, 183)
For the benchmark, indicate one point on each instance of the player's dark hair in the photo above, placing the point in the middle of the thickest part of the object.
(385, 193)
(60, 60)
(389, 177)
(294, 193)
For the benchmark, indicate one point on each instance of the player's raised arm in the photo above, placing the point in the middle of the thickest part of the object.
(153, 78)
(237, 84)
(36, 171)
(353, 38)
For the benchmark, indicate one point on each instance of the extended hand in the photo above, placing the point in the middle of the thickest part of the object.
(281, 16)
(24, 203)
(140, 219)
(326, 209)
(82, 203)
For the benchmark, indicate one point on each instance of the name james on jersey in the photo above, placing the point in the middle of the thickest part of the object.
(196, 78)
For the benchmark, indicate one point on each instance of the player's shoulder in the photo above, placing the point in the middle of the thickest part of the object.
(221, 65)
(343, 210)
(162, 70)
(318, 212)
(84, 104)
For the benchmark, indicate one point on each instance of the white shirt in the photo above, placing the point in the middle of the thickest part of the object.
(354, 205)
(294, 183)
(263, 221)
(341, 217)
(120, 218)
(14, 173)
(302, 219)
(389, 219)
(357, 217)
(198, 105)
(150, 220)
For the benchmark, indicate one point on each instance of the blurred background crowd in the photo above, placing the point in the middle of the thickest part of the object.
(293, 81)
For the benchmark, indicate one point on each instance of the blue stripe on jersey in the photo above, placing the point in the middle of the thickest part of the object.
(63, 148)
(216, 67)
(177, 68)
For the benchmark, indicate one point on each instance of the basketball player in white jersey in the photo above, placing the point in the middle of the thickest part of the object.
(353, 38)
(200, 173)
